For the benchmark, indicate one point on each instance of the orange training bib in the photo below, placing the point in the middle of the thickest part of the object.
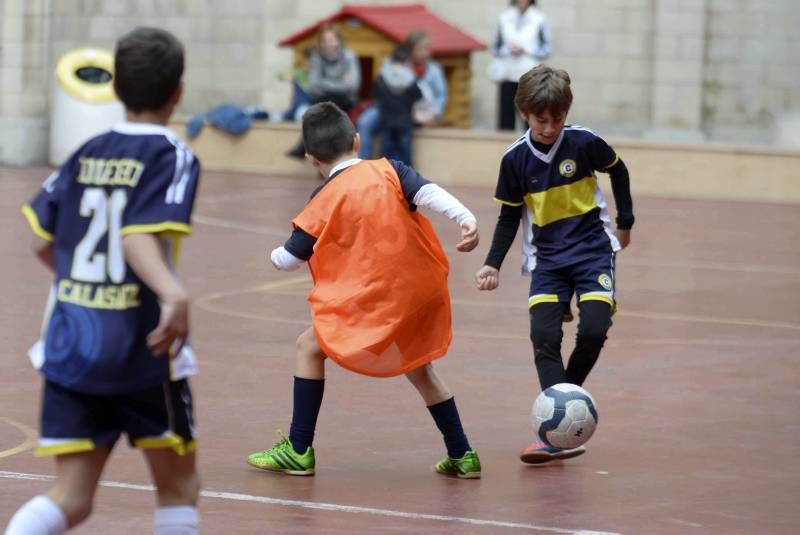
(380, 302)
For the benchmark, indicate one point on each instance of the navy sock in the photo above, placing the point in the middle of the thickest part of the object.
(307, 402)
(445, 414)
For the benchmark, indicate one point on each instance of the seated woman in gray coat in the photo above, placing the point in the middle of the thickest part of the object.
(334, 74)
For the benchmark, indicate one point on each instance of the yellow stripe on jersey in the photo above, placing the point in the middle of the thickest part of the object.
(33, 221)
(501, 201)
(157, 228)
(65, 447)
(562, 202)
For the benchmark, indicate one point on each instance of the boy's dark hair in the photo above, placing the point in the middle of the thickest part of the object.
(542, 89)
(148, 66)
(401, 54)
(327, 132)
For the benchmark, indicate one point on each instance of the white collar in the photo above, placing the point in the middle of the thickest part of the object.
(546, 158)
(141, 129)
(344, 165)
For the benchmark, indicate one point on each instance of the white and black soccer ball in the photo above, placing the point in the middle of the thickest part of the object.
(564, 416)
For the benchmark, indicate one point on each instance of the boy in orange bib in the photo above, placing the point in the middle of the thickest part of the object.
(380, 303)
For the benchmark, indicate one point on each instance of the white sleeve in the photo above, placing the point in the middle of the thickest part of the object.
(284, 260)
(440, 201)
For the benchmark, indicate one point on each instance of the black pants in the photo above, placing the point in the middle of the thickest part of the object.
(546, 335)
(506, 111)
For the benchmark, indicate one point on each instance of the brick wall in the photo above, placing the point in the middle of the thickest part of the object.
(725, 69)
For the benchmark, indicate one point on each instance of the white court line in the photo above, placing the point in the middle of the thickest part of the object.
(652, 263)
(321, 506)
(237, 225)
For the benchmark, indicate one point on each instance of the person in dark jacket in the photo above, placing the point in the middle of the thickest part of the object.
(395, 92)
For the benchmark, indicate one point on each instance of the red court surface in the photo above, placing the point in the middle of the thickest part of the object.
(697, 388)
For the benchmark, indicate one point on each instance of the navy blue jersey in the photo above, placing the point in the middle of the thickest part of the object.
(567, 218)
(136, 178)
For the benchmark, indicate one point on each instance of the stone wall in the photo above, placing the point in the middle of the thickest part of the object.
(751, 80)
(692, 69)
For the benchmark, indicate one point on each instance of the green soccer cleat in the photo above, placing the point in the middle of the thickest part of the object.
(282, 458)
(467, 467)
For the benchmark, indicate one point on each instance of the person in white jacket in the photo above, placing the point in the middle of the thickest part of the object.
(523, 41)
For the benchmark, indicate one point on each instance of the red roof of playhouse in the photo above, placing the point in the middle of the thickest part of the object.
(396, 22)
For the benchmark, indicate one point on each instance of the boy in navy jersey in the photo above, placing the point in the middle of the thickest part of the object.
(547, 178)
(114, 354)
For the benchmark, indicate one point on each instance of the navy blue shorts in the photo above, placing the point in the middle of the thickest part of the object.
(157, 417)
(589, 280)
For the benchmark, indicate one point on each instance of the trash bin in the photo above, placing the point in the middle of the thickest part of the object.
(84, 103)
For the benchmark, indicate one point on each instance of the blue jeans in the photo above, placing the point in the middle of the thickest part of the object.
(367, 128)
(397, 142)
(300, 102)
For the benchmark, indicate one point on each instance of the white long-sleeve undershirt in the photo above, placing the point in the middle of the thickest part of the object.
(436, 198)
(284, 260)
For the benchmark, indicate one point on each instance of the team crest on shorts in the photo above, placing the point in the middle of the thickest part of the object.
(605, 282)
(567, 168)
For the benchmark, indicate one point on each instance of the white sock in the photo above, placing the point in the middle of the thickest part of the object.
(179, 520)
(39, 516)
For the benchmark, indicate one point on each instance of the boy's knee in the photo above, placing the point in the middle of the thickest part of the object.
(543, 334)
(307, 346)
(182, 489)
(76, 506)
(546, 319)
(595, 321)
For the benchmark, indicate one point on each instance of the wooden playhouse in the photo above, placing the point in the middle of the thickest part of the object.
(372, 32)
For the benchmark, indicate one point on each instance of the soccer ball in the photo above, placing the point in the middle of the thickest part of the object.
(564, 416)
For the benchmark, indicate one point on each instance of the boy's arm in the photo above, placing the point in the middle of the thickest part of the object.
(162, 203)
(436, 198)
(440, 201)
(601, 154)
(41, 213)
(43, 249)
(504, 234)
(145, 256)
(488, 277)
(511, 195)
(418, 191)
(297, 250)
(621, 188)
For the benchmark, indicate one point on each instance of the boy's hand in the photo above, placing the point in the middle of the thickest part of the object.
(487, 278)
(624, 237)
(173, 327)
(469, 236)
